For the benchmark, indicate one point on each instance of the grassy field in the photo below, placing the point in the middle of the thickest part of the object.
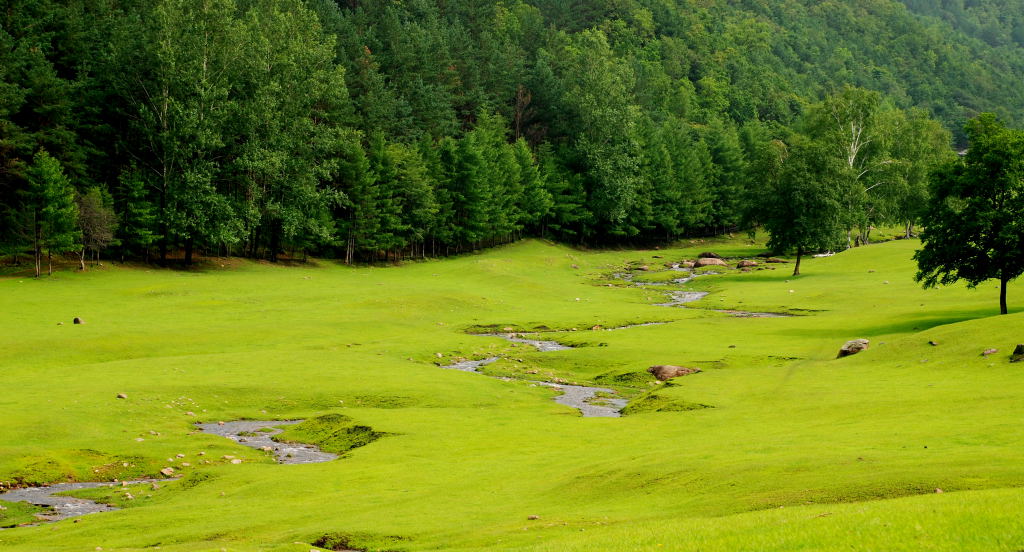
(775, 445)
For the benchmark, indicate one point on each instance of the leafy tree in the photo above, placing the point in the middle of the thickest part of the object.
(803, 198)
(96, 220)
(974, 222)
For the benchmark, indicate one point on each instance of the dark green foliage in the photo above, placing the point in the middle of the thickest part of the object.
(801, 202)
(389, 130)
(974, 221)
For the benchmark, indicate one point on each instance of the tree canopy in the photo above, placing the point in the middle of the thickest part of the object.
(371, 130)
(974, 221)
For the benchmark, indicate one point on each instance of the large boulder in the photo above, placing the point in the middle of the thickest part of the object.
(746, 264)
(665, 372)
(853, 347)
(709, 255)
(709, 261)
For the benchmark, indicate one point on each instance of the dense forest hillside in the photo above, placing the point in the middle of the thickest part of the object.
(997, 22)
(425, 127)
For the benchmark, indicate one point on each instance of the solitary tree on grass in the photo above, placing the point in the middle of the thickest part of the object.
(974, 221)
(801, 204)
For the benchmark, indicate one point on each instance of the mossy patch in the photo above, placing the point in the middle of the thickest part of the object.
(618, 378)
(653, 402)
(334, 433)
(359, 541)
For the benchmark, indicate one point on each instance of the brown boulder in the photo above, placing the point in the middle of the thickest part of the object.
(709, 255)
(665, 372)
(853, 347)
(709, 261)
(746, 264)
(776, 260)
(78, 320)
(1018, 354)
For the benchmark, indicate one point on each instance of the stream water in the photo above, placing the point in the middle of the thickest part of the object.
(580, 397)
(257, 435)
(64, 506)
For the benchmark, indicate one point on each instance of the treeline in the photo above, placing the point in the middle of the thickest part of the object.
(373, 130)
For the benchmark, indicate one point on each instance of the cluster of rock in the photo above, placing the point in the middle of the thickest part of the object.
(709, 258)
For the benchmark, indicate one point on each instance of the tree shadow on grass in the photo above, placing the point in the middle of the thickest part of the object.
(901, 323)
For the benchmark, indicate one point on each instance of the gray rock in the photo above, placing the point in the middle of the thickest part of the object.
(709, 261)
(853, 347)
(665, 372)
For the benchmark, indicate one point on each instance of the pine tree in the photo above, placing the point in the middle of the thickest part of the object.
(55, 226)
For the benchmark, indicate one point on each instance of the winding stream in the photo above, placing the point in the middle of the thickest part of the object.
(681, 298)
(580, 397)
(64, 506)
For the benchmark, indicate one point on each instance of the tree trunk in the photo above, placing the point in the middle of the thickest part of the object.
(1002, 294)
(188, 251)
(49, 263)
(163, 223)
(81, 260)
(38, 249)
(799, 254)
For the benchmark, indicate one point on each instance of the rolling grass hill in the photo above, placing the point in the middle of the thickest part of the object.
(775, 445)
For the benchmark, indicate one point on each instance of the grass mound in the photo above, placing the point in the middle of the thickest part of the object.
(335, 433)
(655, 402)
(19, 513)
(359, 541)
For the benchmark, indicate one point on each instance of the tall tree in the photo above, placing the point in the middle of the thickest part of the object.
(803, 209)
(973, 228)
(96, 221)
(55, 225)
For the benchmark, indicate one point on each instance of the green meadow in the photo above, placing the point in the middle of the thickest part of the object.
(774, 445)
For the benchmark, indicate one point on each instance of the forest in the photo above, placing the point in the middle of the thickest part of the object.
(387, 130)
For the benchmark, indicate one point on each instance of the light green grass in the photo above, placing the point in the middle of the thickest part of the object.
(791, 434)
